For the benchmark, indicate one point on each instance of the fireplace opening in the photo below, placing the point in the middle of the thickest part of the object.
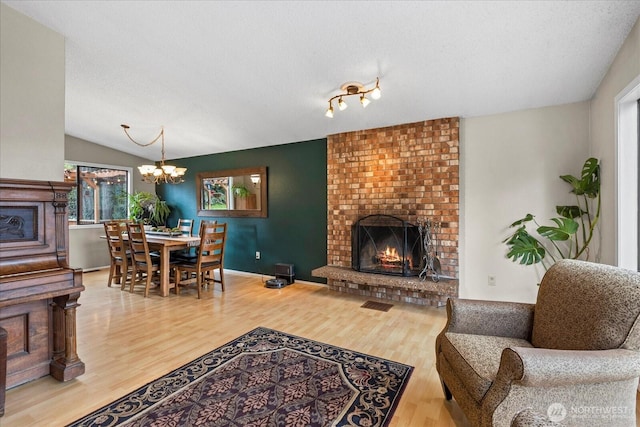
(386, 244)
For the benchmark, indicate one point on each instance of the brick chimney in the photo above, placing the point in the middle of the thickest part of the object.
(409, 171)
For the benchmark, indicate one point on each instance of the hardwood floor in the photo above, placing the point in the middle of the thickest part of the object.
(126, 340)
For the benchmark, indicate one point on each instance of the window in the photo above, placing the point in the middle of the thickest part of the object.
(101, 193)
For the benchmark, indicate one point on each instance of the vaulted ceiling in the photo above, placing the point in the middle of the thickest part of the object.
(225, 76)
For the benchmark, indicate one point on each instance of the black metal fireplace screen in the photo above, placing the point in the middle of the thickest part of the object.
(385, 244)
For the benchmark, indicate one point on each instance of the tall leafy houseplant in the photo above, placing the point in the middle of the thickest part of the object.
(240, 190)
(148, 208)
(573, 230)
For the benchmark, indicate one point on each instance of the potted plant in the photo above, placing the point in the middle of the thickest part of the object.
(148, 208)
(240, 190)
(244, 198)
(574, 227)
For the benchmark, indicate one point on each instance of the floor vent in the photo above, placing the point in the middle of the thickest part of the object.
(380, 306)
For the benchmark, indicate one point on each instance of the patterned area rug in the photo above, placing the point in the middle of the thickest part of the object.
(265, 378)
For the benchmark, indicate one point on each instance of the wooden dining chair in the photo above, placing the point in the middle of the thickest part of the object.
(144, 264)
(190, 254)
(119, 253)
(185, 226)
(210, 258)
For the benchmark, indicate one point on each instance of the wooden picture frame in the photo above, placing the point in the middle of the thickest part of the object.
(233, 193)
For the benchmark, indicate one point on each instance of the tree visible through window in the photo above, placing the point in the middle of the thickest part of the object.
(101, 193)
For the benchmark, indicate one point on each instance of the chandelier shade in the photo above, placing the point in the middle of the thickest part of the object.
(163, 174)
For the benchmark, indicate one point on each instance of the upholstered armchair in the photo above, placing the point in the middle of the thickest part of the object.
(573, 356)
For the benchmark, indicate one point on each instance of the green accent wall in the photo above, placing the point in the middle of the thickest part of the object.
(295, 231)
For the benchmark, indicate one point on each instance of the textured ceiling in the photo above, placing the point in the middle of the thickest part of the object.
(225, 76)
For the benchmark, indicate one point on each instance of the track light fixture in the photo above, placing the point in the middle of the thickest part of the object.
(152, 174)
(350, 89)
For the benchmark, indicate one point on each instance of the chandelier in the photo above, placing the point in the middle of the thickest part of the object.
(164, 174)
(351, 89)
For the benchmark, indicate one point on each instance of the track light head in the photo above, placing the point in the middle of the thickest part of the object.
(329, 112)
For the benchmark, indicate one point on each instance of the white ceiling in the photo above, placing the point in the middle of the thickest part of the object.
(224, 76)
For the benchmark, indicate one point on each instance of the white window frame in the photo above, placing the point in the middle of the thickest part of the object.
(626, 126)
(101, 165)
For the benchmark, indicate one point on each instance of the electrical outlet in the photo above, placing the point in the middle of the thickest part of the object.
(491, 280)
(257, 254)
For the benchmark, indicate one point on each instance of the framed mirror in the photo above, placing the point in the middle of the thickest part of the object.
(233, 193)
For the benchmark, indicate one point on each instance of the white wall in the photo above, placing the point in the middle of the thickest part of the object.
(624, 69)
(510, 166)
(535, 146)
(32, 114)
(86, 249)
(32, 72)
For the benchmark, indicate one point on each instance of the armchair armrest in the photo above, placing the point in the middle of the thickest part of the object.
(495, 318)
(540, 377)
(538, 367)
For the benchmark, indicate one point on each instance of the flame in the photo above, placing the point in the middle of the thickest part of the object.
(389, 255)
(391, 258)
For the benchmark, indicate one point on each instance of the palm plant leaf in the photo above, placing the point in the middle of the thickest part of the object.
(590, 168)
(525, 248)
(566, 227)
(570, 211)
(589, 182)
(527, 218)
(509, 240)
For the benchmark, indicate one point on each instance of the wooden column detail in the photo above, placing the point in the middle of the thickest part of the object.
(65, 363)
(3, 368)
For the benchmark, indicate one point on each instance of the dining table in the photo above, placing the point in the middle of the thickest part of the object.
(165, 243)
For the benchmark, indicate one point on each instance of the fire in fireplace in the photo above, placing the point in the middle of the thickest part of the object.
(386, 244)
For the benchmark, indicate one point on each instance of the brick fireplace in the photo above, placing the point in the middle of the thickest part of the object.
(410, 171)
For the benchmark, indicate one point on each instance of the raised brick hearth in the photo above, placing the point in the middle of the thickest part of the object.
(394, 288)
(410, 171)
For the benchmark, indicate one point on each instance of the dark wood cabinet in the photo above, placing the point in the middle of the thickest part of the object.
(38, 290)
